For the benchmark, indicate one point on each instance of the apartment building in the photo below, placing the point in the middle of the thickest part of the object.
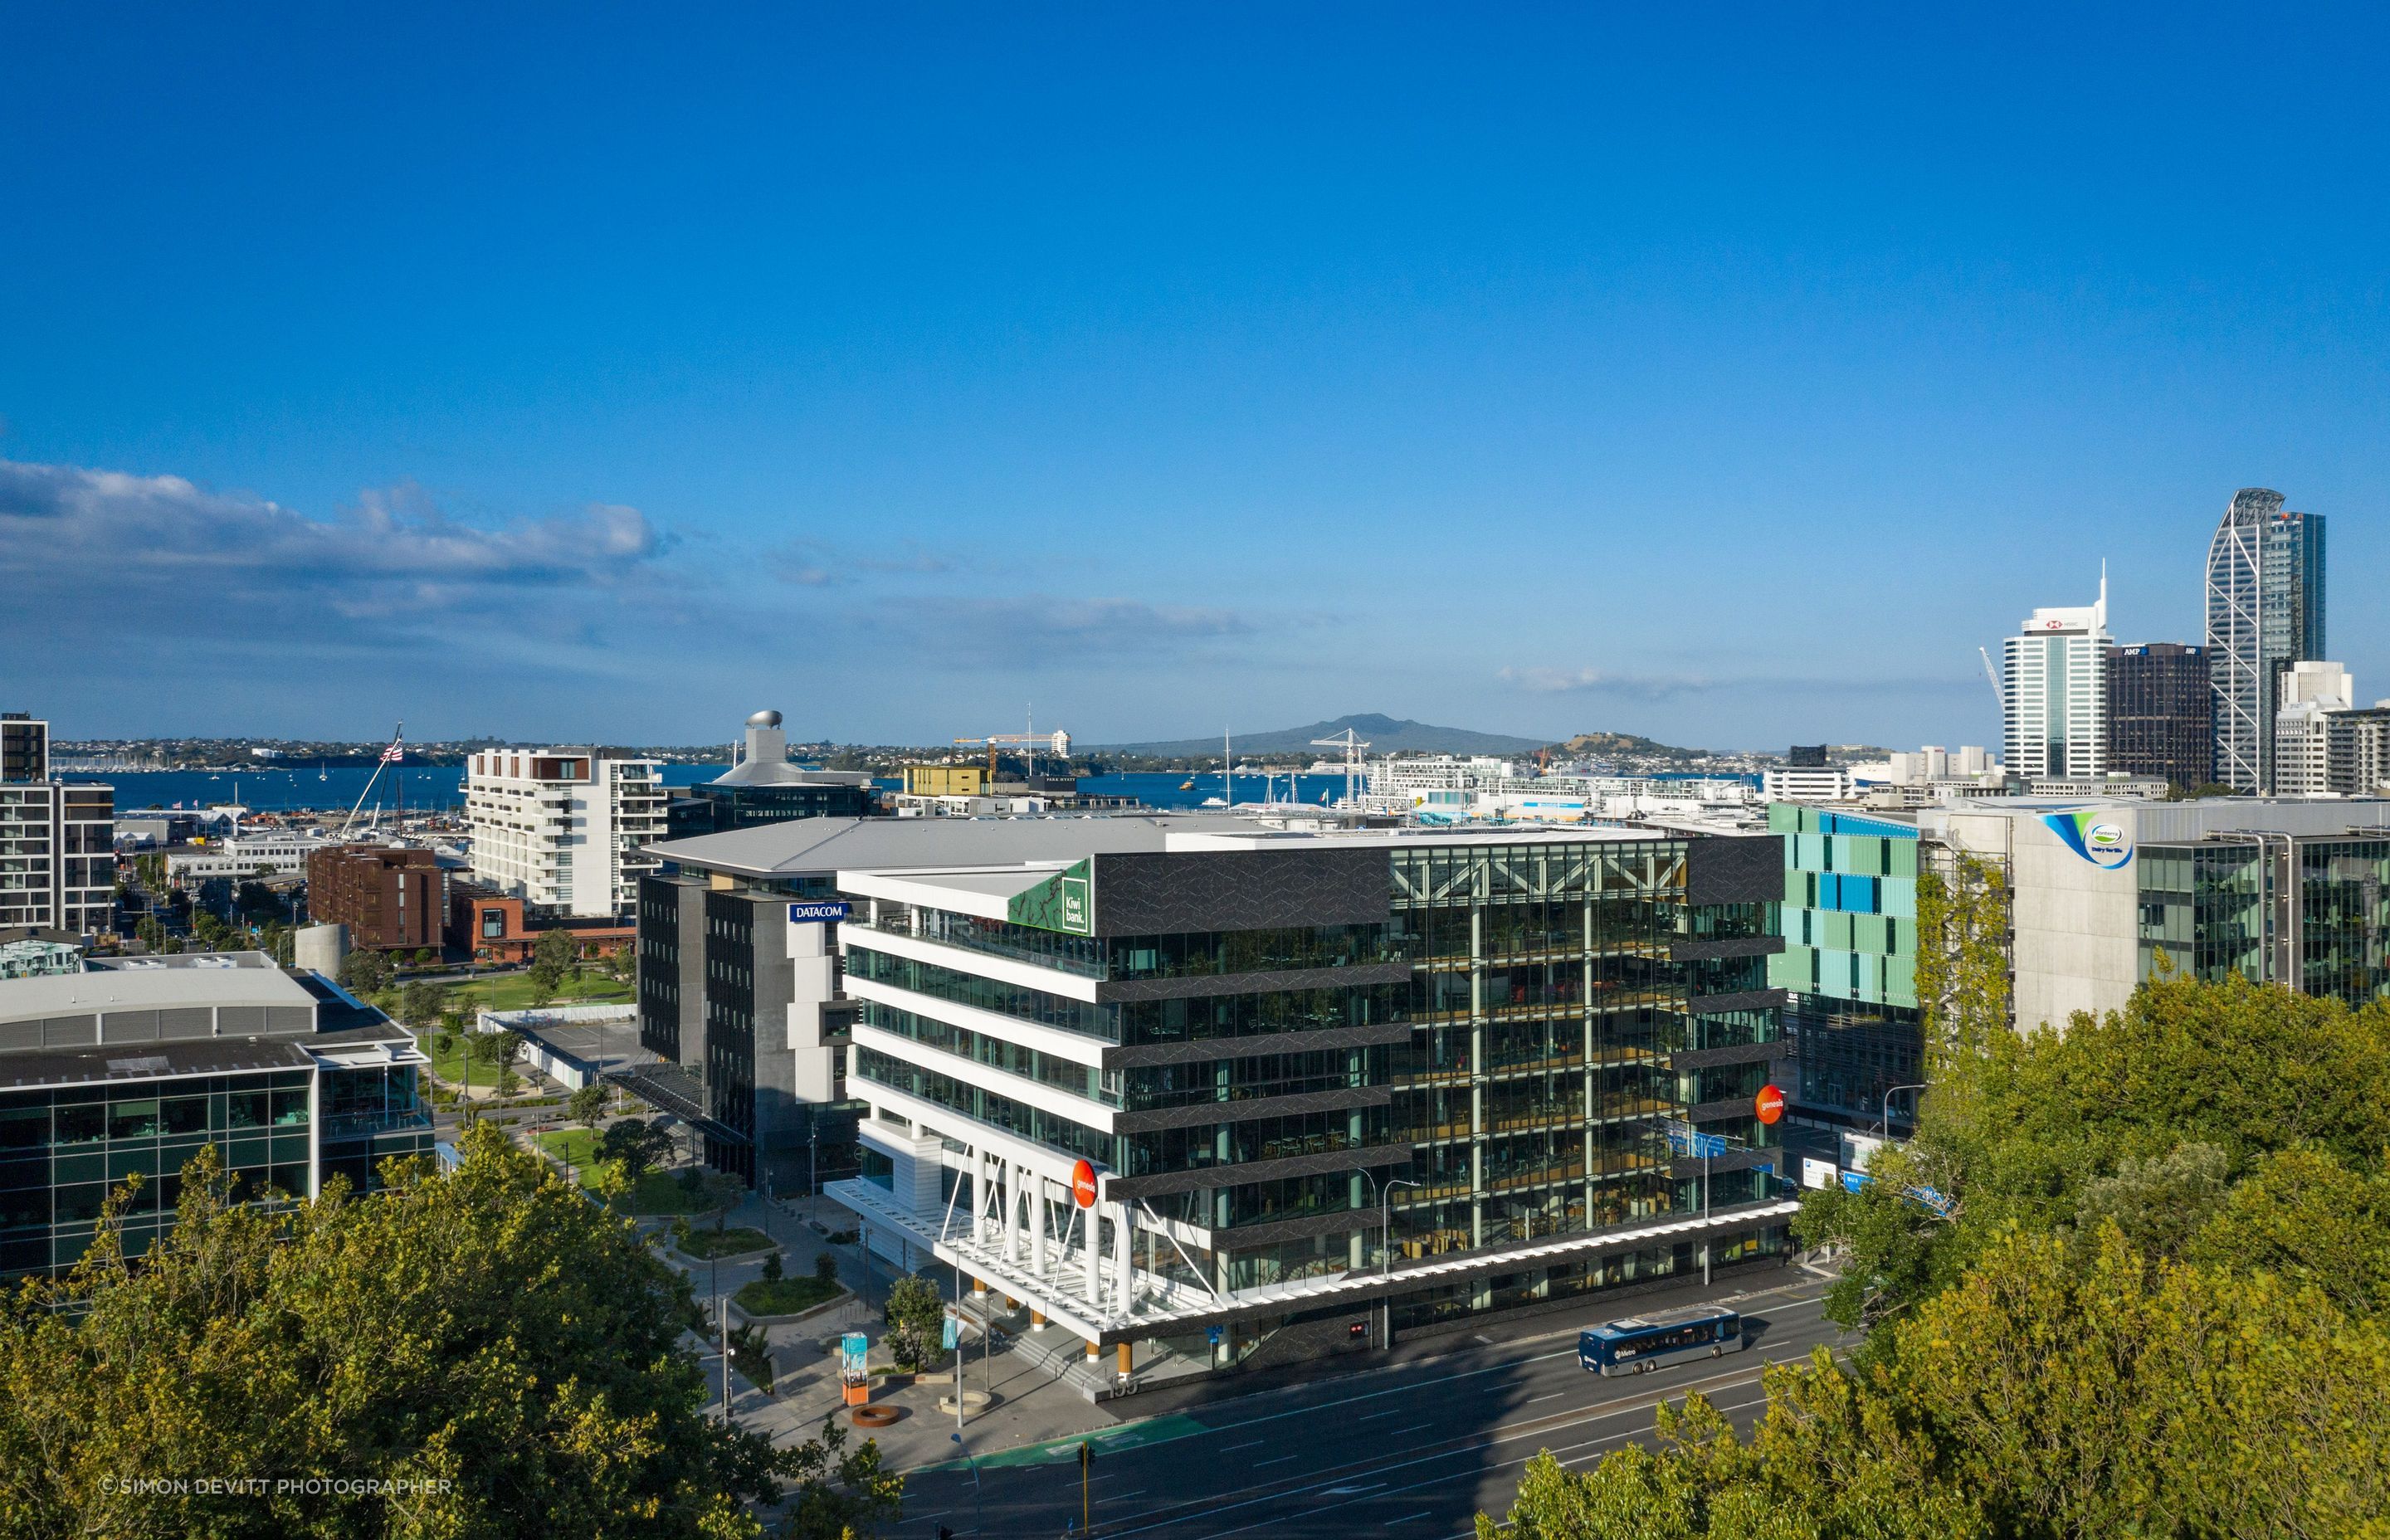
(389, 897)
(563, 828)
(57, 839)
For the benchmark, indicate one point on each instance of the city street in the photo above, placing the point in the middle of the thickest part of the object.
(1414, 1450)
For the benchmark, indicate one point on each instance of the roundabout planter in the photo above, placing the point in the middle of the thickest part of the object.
(874, 1417)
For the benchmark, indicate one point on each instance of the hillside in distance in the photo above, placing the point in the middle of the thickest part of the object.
(1385, 734)
(1625, 746)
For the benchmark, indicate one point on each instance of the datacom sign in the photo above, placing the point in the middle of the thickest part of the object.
(816, 913)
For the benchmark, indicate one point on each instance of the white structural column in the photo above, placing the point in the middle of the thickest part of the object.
(1124, 1257)
(1037, 1224)
(1095, 1257)
(1012, 1211)
(979, 1195)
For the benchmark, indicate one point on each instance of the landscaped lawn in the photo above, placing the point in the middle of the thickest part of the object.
(786, 1297)
(513, 992)
(658, 1192)
(576, 1144)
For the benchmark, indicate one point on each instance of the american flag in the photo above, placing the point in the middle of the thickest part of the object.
(396, 751)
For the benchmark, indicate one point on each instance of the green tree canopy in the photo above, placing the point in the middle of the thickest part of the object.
(2130, 1278)
(484, 1331)
(2046, 1396)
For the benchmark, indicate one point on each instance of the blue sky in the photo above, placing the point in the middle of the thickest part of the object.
(1726, 374)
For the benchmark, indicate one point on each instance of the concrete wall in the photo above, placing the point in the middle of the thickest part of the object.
(2075, 924)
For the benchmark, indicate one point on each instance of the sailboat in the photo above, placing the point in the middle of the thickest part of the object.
(322, 774)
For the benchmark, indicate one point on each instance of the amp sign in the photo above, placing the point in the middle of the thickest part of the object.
(816, 913)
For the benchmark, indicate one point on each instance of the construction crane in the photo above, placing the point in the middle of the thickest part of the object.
(1057, 741)
(2000, 692)
(1351, 744)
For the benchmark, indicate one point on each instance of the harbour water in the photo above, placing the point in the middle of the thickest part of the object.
(434, 785)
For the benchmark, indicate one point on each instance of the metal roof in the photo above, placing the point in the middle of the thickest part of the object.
(115, 989)
(824, 845)
(145, 1062)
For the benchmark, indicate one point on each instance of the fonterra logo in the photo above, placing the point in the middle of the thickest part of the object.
(2095, 836)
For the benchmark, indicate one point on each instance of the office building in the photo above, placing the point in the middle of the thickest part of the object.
(2160, 721)
(2287, 892)
(57, 839)
(271, 852)
(2325, 745)
(1848, 969)
(2265, 612)
(2055, 692)
(1792, 783)
(761, 786)
(391, 898)
(1247, 1033)
(132, 1067)
(562, 829)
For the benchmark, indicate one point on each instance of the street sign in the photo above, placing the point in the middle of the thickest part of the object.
(953, 1334)
(1214, 1335)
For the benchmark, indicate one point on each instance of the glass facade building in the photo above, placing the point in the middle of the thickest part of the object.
(1506, 1042)
(102, 1082)
(2264, 601)
(2160, 717)
(1850, 965)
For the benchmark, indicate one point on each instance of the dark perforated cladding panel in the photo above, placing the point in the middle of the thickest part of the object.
(1145, 893)
(1735, 869)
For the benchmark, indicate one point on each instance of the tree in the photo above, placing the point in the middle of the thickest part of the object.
(841, 1494)
(636, 1144)
(420, 1004)
(916, 1318)
(2129, 1278)
(552, 958)
(716, 1193)
(587, 1105)
(365, 971)
(509, 1352)
(2045, 1396)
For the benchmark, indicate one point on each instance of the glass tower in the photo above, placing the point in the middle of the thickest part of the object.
(2265, 612)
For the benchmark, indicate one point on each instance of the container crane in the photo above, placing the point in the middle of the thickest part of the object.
(1351, 744)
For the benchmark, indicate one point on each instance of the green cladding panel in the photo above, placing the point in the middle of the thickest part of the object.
(1064, 902)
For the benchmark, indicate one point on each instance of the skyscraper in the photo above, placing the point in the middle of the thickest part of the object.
(2159, 717)
(2056, 692)
(2265, 612)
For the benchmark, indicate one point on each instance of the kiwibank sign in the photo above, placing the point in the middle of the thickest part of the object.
(2096, 836)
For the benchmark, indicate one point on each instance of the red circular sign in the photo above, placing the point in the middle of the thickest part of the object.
(1083, 1184)
(1769, 1104)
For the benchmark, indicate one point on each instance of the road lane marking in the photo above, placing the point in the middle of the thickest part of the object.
(1391, 1411)
(1554, 1396)
(1281, 1460)
(1469, 1443)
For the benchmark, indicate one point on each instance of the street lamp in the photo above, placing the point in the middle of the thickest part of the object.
(1885, 1121)
(1385, 1192)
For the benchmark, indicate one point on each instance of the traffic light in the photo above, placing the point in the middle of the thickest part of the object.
(1086, 1457)
(946, 1534)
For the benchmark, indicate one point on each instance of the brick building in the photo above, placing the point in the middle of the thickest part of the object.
(388, 898)
(490, 926)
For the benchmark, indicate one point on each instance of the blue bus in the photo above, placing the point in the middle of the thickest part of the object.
(1641, 1342)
